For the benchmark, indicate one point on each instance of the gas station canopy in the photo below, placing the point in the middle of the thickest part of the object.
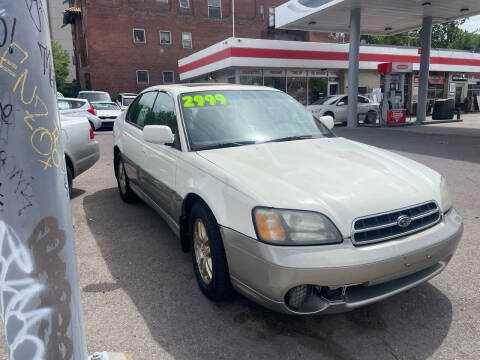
(379, 17)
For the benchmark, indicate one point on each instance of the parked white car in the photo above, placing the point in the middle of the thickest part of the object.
(107, 112)
(94, 95)
(125, 99)
(270, 202)
(79, 107)
(81, 149)
(336, 106)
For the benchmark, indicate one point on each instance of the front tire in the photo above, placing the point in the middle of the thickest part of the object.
(126, 193)
(208, 254)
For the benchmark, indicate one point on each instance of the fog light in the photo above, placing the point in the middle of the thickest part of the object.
(297, 296)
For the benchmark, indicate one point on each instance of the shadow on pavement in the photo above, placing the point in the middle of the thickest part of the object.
(145, 258)
(76, 192)
(456, 143)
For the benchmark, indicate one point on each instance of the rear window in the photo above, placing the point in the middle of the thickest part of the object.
(95, 96)
(69, 104)
(128, 101)
(105, 106)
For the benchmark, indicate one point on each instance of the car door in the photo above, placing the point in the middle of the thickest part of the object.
(341, 110)
(158, 174)
(363, 106)
(133, 152)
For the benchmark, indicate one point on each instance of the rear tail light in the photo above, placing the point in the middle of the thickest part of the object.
(92, 111)
(92, 135)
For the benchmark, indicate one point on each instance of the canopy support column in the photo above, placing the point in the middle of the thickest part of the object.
(424, 69)
(353, 68)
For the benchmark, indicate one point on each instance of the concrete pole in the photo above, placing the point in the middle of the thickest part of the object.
(353, 68)
(424, 69)
(39, 289)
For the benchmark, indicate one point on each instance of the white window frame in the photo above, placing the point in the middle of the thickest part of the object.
(144, 36)
(191, 40)
(271, 17)
(161, 1)
(148, 77)
(160, 37)
(262, 12)
(208, 8)
(173, 77)
(184, 7)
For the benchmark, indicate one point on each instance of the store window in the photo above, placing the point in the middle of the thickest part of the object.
(297, 85)
(165, 37)
(251, 77)
(187, 42)
(185, 4)
(271, 17)
(275, 79)
(139, 36)
(436, 86)
(214, 9)
(317, 86)
(262, 12)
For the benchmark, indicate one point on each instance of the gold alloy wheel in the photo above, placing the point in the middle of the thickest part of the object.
(122, 178)
(202, 251)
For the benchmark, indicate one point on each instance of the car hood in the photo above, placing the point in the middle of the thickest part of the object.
(337, 177)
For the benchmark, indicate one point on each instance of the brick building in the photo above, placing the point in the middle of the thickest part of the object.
(128, 45)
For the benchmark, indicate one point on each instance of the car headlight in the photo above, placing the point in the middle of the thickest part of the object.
(445, 196)
(294, 227)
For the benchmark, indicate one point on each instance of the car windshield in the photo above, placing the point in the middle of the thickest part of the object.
(224, 118)
(105, 106)
(127, 101)
(95, 96)
(329, 100)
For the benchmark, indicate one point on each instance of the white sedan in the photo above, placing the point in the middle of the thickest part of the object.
(107, 112)
(271, 203)
(336, 106)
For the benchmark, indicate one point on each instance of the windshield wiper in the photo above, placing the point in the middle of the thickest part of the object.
(290, 138)
(223, 145)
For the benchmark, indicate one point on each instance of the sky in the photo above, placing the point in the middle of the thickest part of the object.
(472, 24)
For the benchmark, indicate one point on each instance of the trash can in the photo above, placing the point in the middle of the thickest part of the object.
(444, 109)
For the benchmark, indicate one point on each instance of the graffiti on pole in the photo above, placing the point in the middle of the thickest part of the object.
(39, 293)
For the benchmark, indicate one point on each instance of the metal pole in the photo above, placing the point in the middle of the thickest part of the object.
(39, 289)
(424, 69)
(233, 18)
(353, 68)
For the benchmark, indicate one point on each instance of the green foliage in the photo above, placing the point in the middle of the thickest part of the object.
(444, 36)
(61, 61)
(69, 90)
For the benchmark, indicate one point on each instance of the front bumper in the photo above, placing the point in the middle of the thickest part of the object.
(371, 273)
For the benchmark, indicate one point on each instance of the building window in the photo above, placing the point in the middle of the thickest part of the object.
(165, 37)
(139, 36)
(185, 4)
(271, 17)
(168, 77)
(161, 1)
(142, 77)
(187, 40)
(262, 12)
(214, 9)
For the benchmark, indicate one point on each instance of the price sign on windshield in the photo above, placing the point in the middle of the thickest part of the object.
(204, 100)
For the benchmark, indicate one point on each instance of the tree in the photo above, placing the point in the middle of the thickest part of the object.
(61, 61)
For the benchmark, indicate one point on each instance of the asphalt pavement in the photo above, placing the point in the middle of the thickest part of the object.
(140, 296)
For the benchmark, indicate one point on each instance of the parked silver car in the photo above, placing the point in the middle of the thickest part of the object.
(81, 149)
(79, 107)
(336, 106)
(107, 112)
(94, 95)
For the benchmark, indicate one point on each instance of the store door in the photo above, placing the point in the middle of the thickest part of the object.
(333, 89)
(459, 95)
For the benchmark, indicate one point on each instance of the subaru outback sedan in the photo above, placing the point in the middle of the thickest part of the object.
(270, 202)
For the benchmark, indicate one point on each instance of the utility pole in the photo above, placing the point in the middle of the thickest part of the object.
(39, 289)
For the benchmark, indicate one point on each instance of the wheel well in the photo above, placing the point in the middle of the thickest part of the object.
(187, 206)
(69, 163)
(116, 153)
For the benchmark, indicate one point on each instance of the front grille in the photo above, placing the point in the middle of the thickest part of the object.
(383, 227)
(107, 117)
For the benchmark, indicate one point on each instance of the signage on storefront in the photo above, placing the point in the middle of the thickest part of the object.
(396, 117)
(436, 78)
(452, 89)
(395, 67)
(459, 77)
(296, 73)
(251, 72)
(322, 73)
(473, 78)
(274, 73)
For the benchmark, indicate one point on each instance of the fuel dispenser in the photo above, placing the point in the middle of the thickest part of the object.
(392, 107)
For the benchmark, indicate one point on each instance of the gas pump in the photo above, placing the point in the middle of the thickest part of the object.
(392, 107)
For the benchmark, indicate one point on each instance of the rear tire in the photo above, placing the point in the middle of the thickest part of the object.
(126, 192)
(208, 254)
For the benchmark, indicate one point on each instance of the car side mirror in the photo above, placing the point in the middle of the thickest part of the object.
(327, 121)
(158, 134)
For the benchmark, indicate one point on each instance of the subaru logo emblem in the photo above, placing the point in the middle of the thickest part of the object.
(404, 221)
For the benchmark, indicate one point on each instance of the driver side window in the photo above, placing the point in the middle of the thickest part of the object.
(343, 101)
(140, 111)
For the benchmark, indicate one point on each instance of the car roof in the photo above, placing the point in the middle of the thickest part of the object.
(102, 102)
(73, 99)
(194, 87)
(92, 91)
(128, 94)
